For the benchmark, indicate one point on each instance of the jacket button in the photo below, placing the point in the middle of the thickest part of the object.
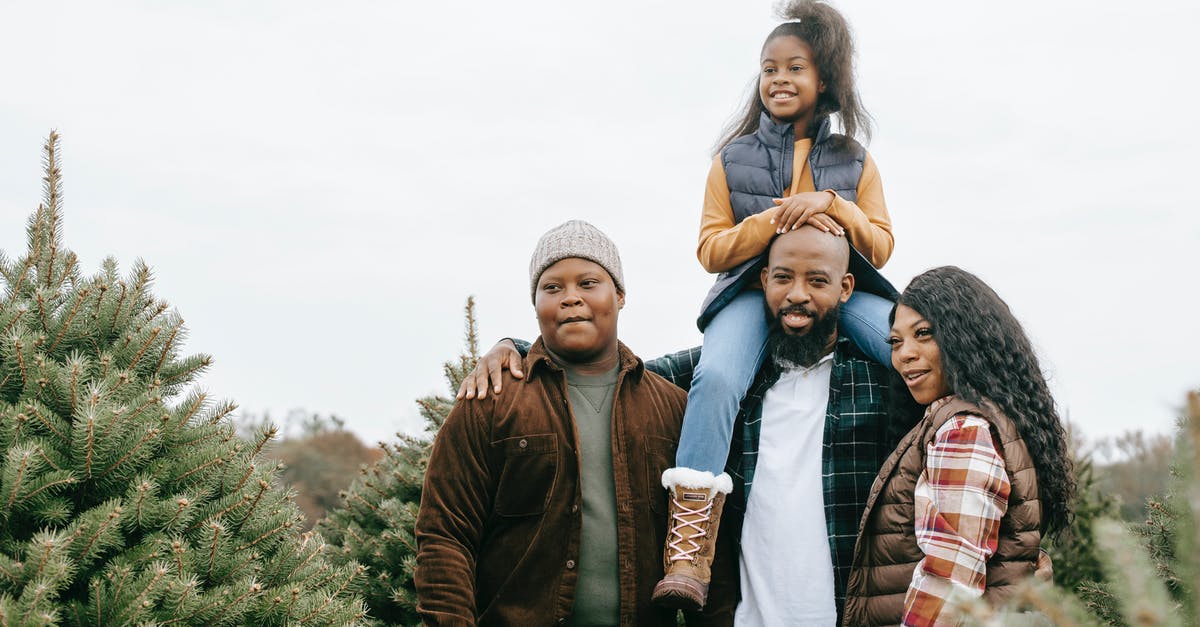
(570, 564)
(523, 443)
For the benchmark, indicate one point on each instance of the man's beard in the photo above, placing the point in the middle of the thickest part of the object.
(801, 351)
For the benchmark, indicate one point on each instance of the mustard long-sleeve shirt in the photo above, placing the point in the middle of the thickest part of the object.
(724, 244)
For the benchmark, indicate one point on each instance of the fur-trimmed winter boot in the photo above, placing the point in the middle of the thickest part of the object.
(697, 499)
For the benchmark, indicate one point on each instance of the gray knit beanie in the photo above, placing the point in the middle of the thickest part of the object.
(575, 238)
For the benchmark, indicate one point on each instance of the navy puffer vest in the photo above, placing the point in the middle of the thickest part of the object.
(758, 169)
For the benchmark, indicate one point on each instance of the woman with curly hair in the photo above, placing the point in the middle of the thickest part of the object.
(964, 500)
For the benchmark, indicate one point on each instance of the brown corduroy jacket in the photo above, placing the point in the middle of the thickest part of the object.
(887, 552)
(499, 526)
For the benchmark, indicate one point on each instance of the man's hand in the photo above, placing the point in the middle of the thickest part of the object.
(503, 356)
(797, 209)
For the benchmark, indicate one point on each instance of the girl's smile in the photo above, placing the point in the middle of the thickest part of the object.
(789, 83)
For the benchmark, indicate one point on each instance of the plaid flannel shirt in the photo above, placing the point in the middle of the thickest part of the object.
(960, 499)
(857, 440)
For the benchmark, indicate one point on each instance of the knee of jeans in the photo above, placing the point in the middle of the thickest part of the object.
(861, 326)
(722, 381)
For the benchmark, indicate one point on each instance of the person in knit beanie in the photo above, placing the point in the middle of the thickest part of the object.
(542, 506)
(575, 238)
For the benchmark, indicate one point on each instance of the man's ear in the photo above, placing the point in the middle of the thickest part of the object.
(847, 287)
(620, 301)
(762, 278)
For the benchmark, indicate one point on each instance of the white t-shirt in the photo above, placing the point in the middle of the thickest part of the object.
(786, 568)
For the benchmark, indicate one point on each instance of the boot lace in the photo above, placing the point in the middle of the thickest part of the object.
(683, 512)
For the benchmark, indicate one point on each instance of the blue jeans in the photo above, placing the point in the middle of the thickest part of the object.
(735, 343)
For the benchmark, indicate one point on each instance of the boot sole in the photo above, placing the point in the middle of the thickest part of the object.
(679, 595)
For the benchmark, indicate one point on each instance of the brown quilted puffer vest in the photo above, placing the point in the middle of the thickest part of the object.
(886, 553)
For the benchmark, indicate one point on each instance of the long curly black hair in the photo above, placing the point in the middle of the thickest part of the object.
(827, 33)
(987, 357)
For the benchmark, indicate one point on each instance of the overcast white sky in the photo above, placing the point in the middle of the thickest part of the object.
(320, 185)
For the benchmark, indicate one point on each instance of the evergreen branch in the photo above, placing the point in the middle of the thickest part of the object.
(215, 460)
(267, 435)
(50, 187)
(167, 345)
(142, 489)
(306, 538)
(74, 385)
(262, 489)
(41, 303)
(212, 553)
(83, 294)
(364, 501)
(154, 399)
(181, 505)
(203, 438)
(193, 410)
(17, 483)
(20, 346)
(245, 478)
(91, 444)
(358, 570)
(283, 526)
(146, 345)
(10, 575)
(177, 549)
(46, 458)
(48, 547)
(159, 571)
(376, 490)
(103, 287)
(98, 598)
(189, 587)
(149, 434)
(11, 323)
(31, 408)
(221, 514)
(110, 521)
(64, 481)
(120, 581)
(224, 410)
(204, 363)
(40, 590)
(25, 266)
(255, 588)
(112, 327)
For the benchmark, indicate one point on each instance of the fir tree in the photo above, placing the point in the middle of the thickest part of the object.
(375, 525)
(1076, 552)
(127, 497)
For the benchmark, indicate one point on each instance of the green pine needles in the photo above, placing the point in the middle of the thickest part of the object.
(375, 524)
(127, 499)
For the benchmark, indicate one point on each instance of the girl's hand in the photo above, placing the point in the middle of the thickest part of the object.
(826, 223)
(796, 210)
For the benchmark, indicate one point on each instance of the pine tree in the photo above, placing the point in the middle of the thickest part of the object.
(375, 525)
(1076, 552)
(127, 497)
